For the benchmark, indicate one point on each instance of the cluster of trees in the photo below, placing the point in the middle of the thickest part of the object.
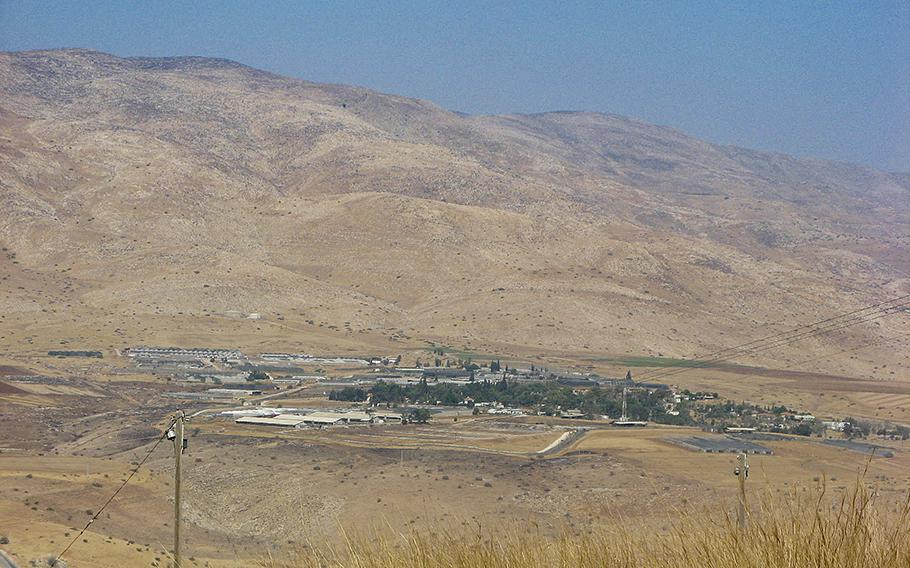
(731, 413)
(70, 353)
(349, 394)
(800, 428)
(725, 411)
(855, 428)
(258, 376)
(774, 419)
(548, 397)
(902, 432)
(697, 395)
(467, 364)
(418, 416)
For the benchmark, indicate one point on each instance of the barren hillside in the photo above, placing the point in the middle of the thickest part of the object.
(152, 200)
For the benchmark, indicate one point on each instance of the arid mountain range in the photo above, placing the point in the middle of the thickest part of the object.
(164, 200)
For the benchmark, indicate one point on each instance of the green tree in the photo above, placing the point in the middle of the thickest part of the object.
(802, 429)
(258, 376)
(418, 416)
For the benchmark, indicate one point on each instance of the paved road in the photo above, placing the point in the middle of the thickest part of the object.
(564, 441)
(254, 401)
(6, 561)
(204, 410)
(279, 394)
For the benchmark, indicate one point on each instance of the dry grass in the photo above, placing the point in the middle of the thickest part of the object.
(808, 528)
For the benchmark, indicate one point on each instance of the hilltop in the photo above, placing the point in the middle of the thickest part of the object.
(163, 199)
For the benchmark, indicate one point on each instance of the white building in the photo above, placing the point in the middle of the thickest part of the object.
(284, 420)
(837, 426)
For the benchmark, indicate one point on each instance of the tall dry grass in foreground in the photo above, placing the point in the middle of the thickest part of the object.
(805, 529)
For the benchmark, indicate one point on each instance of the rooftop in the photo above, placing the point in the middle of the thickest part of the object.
(287, 420)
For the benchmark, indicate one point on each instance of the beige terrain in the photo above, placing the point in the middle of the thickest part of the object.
(252, 491)
(161, 200)
(164, 201)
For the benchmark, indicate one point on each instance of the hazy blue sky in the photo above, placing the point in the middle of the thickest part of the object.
(825, 79)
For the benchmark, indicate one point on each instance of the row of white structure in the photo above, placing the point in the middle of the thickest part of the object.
(321, 419)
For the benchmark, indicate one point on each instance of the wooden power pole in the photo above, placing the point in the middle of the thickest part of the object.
(179, 445)
(742, 472)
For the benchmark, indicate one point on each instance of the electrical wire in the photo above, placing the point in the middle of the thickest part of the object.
(821, 327)
(114, 495)
(840, 352)
(663, 373)
(809, 326)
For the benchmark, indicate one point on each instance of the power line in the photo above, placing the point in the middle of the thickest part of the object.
(782, 338)
(795, 330)
(848, 350)
(841, 351)
(784, 341)
(119, 489)
(891, 310)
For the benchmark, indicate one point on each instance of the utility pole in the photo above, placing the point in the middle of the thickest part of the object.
(179, 446)
(624, 417)
(742, 472)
